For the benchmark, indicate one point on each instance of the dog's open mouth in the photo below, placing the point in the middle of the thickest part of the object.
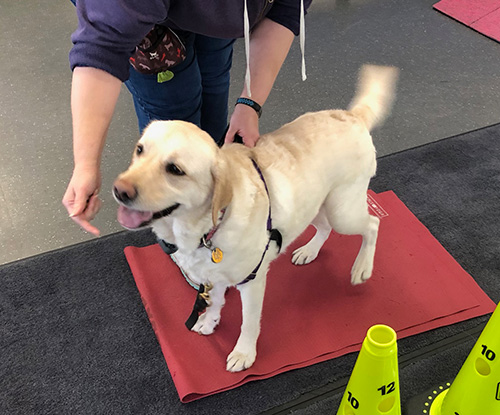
(134, 219)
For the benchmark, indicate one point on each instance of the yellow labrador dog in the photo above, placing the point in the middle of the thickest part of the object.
(226, 211)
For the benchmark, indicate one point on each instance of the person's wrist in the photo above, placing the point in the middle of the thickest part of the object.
(87, 172)
(250, 103)
(82, 162)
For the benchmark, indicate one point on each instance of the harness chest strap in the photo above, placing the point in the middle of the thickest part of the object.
(200, 305)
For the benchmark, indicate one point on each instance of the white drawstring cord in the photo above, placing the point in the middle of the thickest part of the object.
(303, 39)
(246, 27)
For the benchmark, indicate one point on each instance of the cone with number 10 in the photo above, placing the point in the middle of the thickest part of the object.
(476, 389)
(373, 387)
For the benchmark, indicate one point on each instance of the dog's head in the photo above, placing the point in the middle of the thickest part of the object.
(176, 168)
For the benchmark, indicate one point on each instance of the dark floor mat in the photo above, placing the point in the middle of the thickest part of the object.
(75, 338)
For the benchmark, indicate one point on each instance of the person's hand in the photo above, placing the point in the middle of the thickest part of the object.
(245, 123)
(81, 198)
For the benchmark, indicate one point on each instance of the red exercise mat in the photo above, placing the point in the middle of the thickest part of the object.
(480, 15)
(311, 313)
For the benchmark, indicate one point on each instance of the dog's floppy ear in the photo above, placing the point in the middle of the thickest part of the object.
(223, 189)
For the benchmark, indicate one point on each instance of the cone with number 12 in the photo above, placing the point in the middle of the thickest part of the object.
(373, 387)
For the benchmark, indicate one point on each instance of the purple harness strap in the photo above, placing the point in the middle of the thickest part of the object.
(274, 234)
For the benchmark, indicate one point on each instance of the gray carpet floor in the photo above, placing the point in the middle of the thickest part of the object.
(449, 85)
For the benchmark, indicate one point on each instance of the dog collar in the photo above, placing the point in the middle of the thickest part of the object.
(206, 241)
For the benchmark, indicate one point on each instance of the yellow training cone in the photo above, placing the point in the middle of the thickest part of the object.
(373, 388)
(476, 389)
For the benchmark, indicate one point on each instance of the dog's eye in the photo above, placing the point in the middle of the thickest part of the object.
(173, 169)
(139, 149)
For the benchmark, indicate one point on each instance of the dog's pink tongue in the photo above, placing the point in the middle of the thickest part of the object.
(132, 219)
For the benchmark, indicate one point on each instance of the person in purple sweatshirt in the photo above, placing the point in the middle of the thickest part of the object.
(107, 34)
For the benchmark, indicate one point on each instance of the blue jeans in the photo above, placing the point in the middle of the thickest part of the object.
(197, 93)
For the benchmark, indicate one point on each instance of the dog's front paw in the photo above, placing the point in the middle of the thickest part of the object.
(206, 324)
(361, 271)
(304, 255)
(238, 361)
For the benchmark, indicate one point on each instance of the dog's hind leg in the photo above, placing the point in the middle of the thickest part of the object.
(347, 212)
(308, 253)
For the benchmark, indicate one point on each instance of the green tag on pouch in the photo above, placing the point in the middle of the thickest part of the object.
(164, 76)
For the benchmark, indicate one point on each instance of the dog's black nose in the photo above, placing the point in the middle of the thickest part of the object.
(124, 191)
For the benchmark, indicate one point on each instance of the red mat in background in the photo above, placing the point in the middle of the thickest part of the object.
(480, 15)
(311, 313)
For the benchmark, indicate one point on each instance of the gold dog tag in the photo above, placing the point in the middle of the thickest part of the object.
(217, 255)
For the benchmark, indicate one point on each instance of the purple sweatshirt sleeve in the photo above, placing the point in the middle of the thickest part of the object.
(287, 13)
(109, 30)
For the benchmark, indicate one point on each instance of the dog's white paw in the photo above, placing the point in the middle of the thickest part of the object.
(304, 255)
(361, 270)
(238, 361)
(206, 324)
